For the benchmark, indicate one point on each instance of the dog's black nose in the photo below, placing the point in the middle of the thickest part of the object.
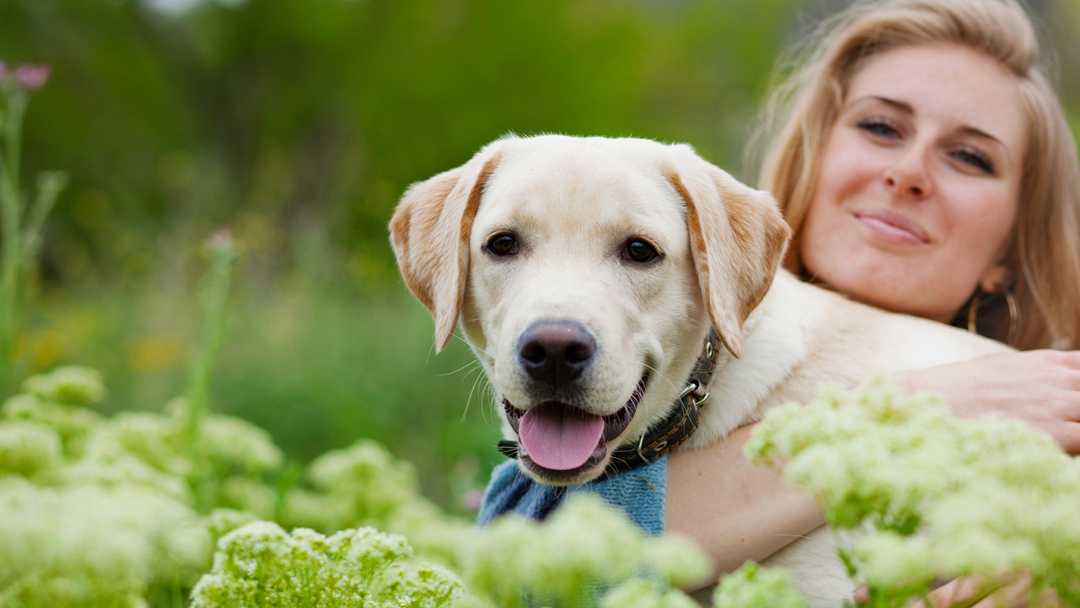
(556, 352)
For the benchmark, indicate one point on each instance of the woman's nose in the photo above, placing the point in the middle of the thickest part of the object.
(909, 174)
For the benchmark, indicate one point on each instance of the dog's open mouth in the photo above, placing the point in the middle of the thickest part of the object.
(560, 437)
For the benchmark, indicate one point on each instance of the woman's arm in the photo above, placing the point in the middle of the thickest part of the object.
(1041, 387)
(735, 512)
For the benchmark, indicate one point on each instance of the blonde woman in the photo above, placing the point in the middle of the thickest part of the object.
(924, 163)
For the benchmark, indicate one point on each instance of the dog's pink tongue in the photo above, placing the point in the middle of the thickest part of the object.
(558, 440)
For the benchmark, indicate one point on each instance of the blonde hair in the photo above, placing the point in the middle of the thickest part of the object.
(1044, 253)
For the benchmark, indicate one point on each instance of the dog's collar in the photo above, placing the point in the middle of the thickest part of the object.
(679, 425)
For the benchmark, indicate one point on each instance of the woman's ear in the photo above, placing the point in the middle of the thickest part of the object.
(430, 233)
(737, 239)
(996, 278)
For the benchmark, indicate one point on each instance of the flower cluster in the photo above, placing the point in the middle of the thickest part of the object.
(942, 496)
(262, 565)
(364, 485)
(98, 511)
(755, 587)
(68, 384)
(78, 531)
(583, 549)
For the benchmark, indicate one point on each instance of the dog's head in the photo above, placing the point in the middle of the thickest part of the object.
(585, 274)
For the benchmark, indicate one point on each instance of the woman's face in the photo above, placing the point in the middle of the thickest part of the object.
(918, 184)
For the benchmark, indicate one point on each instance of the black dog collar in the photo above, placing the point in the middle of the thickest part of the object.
(679, 425)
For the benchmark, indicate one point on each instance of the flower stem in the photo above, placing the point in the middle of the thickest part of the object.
(222, 257)
(12, 252)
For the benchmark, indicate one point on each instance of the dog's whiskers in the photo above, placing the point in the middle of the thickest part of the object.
(471, 364)
(662, 377)
(468, 401)
(466, 342)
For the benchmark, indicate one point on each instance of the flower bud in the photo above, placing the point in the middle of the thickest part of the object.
(222, 237)
(31, 76)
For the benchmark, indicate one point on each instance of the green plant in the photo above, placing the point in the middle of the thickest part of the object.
(85, 522)
(940, 496)
(584, 549)
(123, 511)
(195, 406)
(261, 565)
(21, 223)
(752, 586)
(107, 511)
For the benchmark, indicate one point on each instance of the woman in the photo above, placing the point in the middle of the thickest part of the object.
(924, 163)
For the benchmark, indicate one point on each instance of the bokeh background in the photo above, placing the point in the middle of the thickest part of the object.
(299, 123)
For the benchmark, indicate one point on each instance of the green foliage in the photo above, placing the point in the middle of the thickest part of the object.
(645, 593)
(261, 565)
(364, 485)
(97, 511)
(71, 423)
(943, 496)
(91, 545)
(752, 586)
(100, 511)
(21, 218)
(298, 121)
(89, 512)
(68, 385)
(295, 121)
(27, 448)
(571, 558)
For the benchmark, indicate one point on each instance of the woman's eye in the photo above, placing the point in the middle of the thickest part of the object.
(975, 159)
(502, 244)
(637, 250)
(879, 128)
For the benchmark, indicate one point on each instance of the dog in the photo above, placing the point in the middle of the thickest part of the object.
(592, 277)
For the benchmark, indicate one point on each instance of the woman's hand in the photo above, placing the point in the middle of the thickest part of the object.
(1040, 387)
(969, 592)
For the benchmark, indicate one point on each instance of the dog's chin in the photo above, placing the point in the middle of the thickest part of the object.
(592, 469)
(615, 426)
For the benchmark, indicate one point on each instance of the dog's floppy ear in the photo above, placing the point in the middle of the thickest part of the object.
(737, 239)
(430, 234)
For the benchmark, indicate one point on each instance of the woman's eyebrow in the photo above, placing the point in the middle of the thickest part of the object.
(899, 105)
(980, 133)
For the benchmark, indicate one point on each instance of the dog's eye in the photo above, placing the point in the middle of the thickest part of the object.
(640, 251)
(503, 244)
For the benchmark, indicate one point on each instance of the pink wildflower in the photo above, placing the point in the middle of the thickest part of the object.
(222, 237)
(472, 499)
(31, 76)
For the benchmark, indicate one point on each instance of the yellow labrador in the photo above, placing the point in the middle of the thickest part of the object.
(587, 273)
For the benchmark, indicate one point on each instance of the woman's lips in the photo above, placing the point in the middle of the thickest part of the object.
(892, 226)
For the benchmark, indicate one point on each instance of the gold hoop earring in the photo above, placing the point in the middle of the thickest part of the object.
(1014, 314)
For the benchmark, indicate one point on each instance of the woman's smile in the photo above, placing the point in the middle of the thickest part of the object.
(891, 227)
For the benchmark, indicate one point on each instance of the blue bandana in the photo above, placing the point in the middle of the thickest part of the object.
(639, 493)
